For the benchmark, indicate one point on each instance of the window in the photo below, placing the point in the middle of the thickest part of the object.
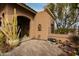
(52, 28)
(39, 27)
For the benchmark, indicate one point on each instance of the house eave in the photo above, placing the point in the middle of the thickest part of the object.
(27, 7)
(50, 13)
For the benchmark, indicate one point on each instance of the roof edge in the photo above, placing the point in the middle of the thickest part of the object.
(27, 7)
(49, 12)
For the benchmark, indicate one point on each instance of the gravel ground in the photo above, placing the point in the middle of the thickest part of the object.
(36, 48)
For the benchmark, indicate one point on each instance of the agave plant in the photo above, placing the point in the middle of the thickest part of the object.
(9, 29)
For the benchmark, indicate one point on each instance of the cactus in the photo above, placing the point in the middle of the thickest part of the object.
(9, 29)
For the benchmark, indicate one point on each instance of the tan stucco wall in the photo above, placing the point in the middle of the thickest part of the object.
(2, 9)
(44, 19)
(20, 11)
(9, 10)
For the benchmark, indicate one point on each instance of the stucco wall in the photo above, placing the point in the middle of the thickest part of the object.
(44, 19)
(2, 9)
(9, 10)
(20, 11)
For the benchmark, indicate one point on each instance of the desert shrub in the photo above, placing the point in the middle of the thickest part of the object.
(1, 38)
(3, 46)
(75, 42)
(9, 30)
(74, 39)
(1, 42)
(64, 30)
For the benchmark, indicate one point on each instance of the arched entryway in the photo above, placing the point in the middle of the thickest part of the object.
(23, 25)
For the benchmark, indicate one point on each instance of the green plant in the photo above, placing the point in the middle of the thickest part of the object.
(1, 39)
(64, 30)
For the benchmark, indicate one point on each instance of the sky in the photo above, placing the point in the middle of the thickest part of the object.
(37, 6)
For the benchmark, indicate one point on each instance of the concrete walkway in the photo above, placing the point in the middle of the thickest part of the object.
(36, 48)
